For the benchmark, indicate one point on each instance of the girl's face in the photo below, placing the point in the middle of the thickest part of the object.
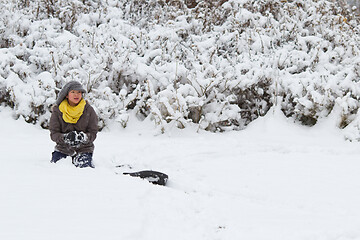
(74, 97)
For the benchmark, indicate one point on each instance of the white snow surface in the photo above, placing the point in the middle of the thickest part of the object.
(275, 180)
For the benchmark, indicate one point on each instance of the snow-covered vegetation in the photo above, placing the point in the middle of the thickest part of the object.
(217, 65)
(273, 180)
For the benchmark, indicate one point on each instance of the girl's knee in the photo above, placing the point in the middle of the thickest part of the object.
(83, 160)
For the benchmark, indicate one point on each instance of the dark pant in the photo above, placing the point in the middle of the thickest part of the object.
(80, 160)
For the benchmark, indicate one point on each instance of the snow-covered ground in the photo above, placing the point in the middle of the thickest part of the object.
(273, 181)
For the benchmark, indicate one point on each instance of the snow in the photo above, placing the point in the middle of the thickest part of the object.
(273, 180)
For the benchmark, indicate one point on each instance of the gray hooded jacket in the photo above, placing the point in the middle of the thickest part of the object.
(87, 123)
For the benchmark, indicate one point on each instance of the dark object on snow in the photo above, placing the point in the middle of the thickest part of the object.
(152, 176)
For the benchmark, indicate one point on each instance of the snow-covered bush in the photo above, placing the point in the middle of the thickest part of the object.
(216, 64)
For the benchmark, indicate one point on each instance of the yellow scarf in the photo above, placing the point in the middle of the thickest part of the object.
(72, 114)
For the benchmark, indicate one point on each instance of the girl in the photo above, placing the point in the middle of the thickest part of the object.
(73, 126)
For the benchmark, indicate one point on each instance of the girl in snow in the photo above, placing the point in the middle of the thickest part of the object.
(73, 126)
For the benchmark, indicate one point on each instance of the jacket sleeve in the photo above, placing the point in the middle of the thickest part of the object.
(93, 128)
(55, 128)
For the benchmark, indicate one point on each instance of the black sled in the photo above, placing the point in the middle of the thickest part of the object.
(154, 177)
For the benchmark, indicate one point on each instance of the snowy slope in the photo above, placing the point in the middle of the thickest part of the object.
(274, 180)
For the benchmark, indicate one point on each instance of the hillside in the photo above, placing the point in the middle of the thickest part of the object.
(273, 180)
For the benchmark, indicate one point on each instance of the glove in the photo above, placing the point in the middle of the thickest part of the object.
(69, 138)
(75, 138)
(81, 137)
